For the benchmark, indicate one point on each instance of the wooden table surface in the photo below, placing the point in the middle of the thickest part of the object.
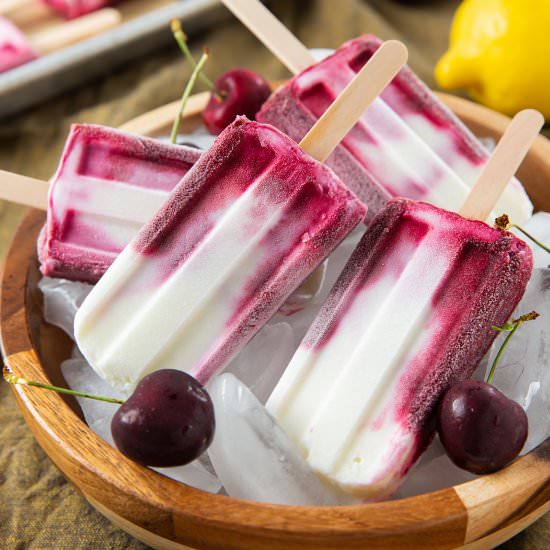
(38, 508)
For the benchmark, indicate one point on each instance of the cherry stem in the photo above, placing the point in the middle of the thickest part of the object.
(181, 39)
(500, 351)
(503, 222)
(186, 94)
(511, 329)
(14, 379)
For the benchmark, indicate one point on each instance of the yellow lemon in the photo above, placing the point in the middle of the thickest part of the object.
(500, 52)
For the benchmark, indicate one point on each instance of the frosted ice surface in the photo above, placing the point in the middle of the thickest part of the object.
(301, 320)
(61, 300)
(306, 292)
(523, 373)
(81, 377)
(253, 457)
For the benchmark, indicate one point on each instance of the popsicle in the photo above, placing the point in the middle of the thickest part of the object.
(14, 47)
(247, 224)
(408, 143)
(17, 49)
(108, 184)
(410, 315)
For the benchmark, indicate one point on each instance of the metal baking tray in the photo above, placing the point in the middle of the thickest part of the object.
(68, 68)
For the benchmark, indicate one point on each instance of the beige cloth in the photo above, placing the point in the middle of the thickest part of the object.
(39, 509)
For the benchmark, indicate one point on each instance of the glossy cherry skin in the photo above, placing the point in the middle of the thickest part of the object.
(243, 91)
(167, 421)
(481, 429)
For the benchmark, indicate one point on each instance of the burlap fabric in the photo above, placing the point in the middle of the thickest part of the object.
(39, 509)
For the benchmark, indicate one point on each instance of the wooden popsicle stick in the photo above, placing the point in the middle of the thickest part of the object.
(346, 109)
(503, 164)
(24, 190)
(70, 32)
(272, 33)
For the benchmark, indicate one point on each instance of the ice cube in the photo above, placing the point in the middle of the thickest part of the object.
(201, 138)
(98, 414)
(253, 457)
(262, 362)
(539, 227)
(523, 372)
(61, 300)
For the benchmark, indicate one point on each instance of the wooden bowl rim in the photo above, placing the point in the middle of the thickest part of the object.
(195, 506)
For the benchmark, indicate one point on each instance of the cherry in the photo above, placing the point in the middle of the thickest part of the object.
(237, 92)
(481, 429)
(167, 421)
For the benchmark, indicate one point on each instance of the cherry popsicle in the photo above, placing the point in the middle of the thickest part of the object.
(108, 184)
(411, 314)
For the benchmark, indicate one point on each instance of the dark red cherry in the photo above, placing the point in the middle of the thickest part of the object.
(481, 429)
(241, 92)
(167, 421)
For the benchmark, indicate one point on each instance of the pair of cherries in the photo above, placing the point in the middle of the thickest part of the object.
(169, 420)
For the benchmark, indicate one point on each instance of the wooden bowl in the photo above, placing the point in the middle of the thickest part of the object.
(166, 514)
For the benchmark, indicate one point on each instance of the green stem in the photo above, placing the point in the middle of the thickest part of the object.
(500, 351)
(531, 237)
(186, 94)
(14, 379)
(181, 39)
